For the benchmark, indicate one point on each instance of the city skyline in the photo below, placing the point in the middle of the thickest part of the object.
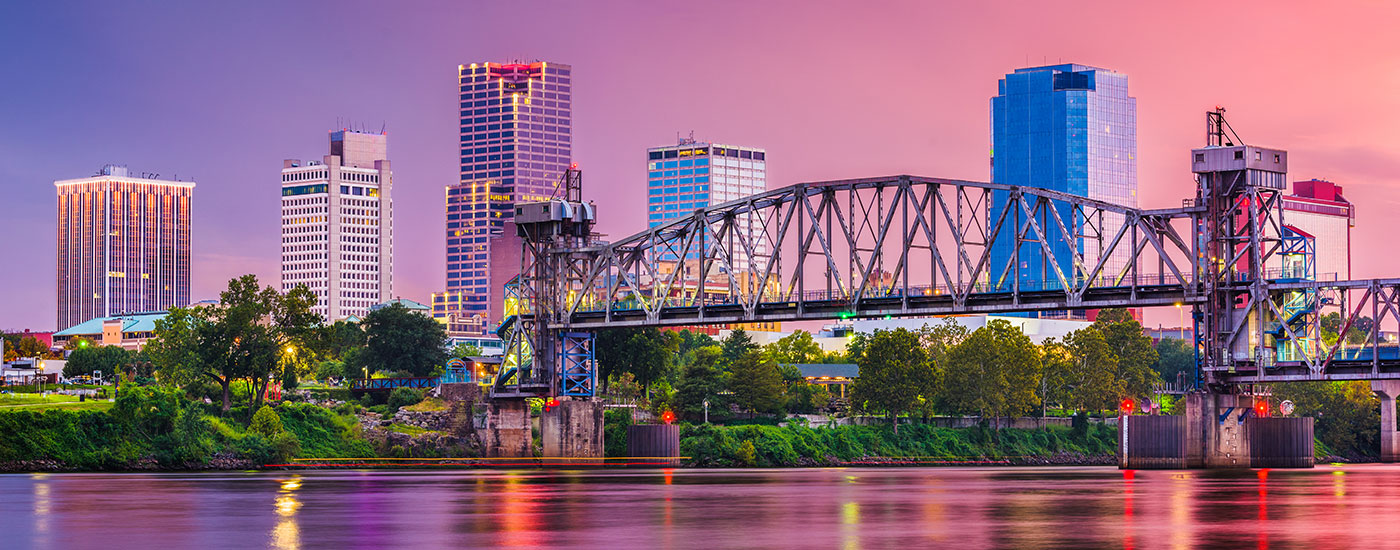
(61, 132)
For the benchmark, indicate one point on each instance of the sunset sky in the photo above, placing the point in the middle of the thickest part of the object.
(223, 91)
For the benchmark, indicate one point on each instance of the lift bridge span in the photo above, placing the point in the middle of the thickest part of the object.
(916, 246)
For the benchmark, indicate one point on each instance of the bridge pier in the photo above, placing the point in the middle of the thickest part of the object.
(507, 433)
(1216, 431)
(572, 429)
(1387, 391)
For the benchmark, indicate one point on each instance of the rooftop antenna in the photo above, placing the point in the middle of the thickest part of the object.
(1217, 129)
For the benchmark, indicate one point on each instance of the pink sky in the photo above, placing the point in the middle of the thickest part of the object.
(832, 90)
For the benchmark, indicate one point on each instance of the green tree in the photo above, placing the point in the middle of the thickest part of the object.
(795, 348)
(611, 353)
(1345, 414)
(736, 345)
(329, 368)
(894, 369)
(1080, 370)
(994, 372)
(807, 398)
(937, 340)
(401, 340)
(701, 379)
(1175, 358)
(111, 360)
(1133, 350)
(464, 351)
(266, 422)
(242, 337)
(23, 345)
(756, 383)
(332, 341)
(650, 352)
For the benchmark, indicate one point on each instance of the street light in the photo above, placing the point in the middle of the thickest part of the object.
(1181, 320)
(706, 403)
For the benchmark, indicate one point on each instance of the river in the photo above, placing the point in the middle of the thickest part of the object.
(1351, 506)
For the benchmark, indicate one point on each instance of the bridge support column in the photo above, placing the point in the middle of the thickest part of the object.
(1226, 442)
(507, 433)
(573, 429)
(1387, 391)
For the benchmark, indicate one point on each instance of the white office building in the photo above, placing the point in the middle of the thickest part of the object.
(337, 225)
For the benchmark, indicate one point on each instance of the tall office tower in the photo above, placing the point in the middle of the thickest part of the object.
(515, 143)
(123, 245)
(688, 176)
(337, 225)
(1318, 208)
(1069, 128)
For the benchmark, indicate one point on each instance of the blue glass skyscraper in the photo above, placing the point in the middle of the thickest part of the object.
(690, 176)
(1069, 128)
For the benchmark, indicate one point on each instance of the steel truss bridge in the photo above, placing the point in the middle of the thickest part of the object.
(916, 246)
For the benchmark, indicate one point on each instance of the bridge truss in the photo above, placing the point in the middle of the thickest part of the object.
(915, 246)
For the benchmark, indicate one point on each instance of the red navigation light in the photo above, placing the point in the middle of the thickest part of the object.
(1126, 406)
(668, 417)
(1261, 408)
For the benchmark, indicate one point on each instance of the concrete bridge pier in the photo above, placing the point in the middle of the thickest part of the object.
(572, 429)
(1387, 391)
(1216, 431)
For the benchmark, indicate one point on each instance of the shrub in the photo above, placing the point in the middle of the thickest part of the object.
(286, 445)
(266, 423)
(403, 397)
(747, 455)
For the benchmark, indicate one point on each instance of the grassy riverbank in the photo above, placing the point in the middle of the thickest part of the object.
(914, 444)
(153, 428)
(709, 445)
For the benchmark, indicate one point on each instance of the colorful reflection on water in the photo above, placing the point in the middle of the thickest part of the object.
(1330, 506)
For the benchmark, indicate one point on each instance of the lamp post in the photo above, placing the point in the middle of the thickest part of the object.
(706, 403)
(1181, 320)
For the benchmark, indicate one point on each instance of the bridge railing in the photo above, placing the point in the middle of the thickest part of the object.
(687, 294)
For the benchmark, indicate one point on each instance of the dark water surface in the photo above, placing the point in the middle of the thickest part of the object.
(1052, 507)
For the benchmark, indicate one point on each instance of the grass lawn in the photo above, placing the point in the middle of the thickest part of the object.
(429, 404)
(34, 399)
(90, 405)
(405, 429)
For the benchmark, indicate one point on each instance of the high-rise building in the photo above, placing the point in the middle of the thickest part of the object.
(688, 176)
(515, 143)
(337, 225)
(1069, 128)
(123, 245)
(1318, 208)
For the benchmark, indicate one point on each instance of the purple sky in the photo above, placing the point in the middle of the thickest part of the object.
(223, 91)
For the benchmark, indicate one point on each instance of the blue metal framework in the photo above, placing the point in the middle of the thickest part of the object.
(578, 376)
(386, 384)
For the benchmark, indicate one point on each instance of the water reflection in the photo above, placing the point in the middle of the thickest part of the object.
(286, 535)
(816, 508)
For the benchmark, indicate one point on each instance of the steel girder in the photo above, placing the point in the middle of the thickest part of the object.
(898, 245)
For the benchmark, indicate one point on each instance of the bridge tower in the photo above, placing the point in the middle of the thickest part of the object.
(1241, 187)
(542, 360)
(1242, 245)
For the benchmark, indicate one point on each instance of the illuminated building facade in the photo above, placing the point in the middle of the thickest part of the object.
(515, 142)
(1069, 128)
(688, 176)
(123, 245)
(1318, 208)
(337, 225)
